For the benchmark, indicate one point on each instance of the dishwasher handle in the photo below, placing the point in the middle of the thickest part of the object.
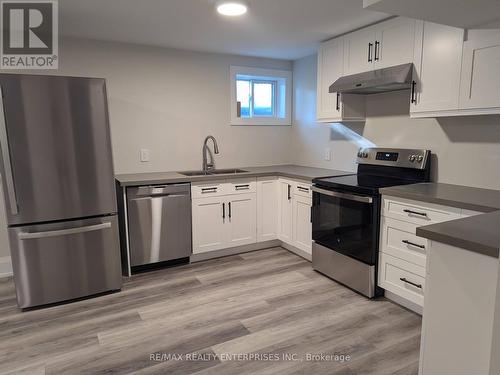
(159, 190)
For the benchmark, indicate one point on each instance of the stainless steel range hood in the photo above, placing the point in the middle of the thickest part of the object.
(394, 78)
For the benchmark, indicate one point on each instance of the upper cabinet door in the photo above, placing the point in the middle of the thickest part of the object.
(394, 42)
(359, 50)
(438, 62)
(330, 68)
(480, 71)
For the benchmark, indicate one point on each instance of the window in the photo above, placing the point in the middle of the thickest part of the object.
(260, 96)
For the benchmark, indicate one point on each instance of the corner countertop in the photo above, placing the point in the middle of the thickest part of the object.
(470, 198)
(480, 233)
(290, 171)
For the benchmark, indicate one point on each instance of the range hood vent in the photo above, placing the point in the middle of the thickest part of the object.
(394, 78)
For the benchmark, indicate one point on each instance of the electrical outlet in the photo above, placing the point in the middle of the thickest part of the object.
(144, 155)
(328, 154)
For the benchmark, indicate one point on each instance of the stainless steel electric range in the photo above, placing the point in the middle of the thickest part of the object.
(346, 214)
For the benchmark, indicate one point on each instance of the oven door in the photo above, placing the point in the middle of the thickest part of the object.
(346, 223)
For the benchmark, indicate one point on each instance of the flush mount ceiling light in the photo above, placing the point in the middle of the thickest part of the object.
(231, 8)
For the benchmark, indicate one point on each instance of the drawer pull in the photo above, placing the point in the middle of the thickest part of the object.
(403, 279)
(424, 214)
(242, 187)
(303, 189)
(413, 244)
(208, 190)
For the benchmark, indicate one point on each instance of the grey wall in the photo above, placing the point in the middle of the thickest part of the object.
(168, 101)
(467, 149)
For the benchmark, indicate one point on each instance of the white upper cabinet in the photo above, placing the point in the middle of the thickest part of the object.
(394, 41)
(333, 107)
(359, 49)
(379, 46)
(330, 68)
(438, 62)
(480, 80)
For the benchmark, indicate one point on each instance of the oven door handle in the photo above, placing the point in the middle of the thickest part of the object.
(351, 197)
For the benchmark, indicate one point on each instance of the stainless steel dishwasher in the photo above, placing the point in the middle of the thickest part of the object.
(159, 220)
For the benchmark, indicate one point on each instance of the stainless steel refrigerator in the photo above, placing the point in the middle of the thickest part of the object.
(58, 183)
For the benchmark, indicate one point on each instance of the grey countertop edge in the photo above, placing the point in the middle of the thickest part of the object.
(479, 233)
(445, 234)
(443, 201)
(176, 177)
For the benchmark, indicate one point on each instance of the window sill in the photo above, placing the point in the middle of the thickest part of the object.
(261, 122)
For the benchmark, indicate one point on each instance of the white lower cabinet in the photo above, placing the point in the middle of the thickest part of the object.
(285, 210)
(245, 211)
(403, 255)
(295, 214)
(209, 229)
(267, 208)
(224, 220)
(302, 227)
(241, 219)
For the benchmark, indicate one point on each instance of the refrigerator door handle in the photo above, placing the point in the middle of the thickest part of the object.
(63, 232)
(7, 166)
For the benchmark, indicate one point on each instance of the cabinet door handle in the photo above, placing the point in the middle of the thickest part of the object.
(413, 244)
(337, 106)
(229, 204)
(377, 44)
(289, 196)
(410, 212)
(223, 211)
(370, 45)
(413, 99)
(403, 279)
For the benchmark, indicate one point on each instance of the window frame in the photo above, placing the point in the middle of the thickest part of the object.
(282, 95)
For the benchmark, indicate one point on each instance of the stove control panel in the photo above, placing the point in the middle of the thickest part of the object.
(404, 158)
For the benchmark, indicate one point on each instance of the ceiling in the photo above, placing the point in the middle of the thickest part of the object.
(286, 29)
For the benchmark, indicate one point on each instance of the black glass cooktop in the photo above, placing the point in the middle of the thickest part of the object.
(362, 183)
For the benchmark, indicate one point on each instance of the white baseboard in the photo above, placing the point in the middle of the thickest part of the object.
(5, 267)
(247, 248)
(299, 252)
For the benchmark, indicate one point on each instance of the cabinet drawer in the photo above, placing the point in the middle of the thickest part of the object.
(418, 212)
(398, 239)
(302, 189)
(241, 186)
(208, 189)
(402, 278)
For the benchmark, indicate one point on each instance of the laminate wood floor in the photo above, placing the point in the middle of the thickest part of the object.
(264, 312)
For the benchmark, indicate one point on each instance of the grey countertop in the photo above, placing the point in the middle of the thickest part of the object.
(290, 171)
(470, 198)
(479, 233)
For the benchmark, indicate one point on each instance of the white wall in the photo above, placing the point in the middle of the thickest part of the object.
(467, 149)
(168, 101)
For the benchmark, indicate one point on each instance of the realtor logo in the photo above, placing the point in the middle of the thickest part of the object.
(29, 35)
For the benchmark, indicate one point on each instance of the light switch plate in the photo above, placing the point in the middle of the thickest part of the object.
(144, 155)
(328, 154)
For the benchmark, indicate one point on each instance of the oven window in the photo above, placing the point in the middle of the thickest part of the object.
(346, 226)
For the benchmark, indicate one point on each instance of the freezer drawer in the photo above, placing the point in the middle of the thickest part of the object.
(159, 219)
(62, 261)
